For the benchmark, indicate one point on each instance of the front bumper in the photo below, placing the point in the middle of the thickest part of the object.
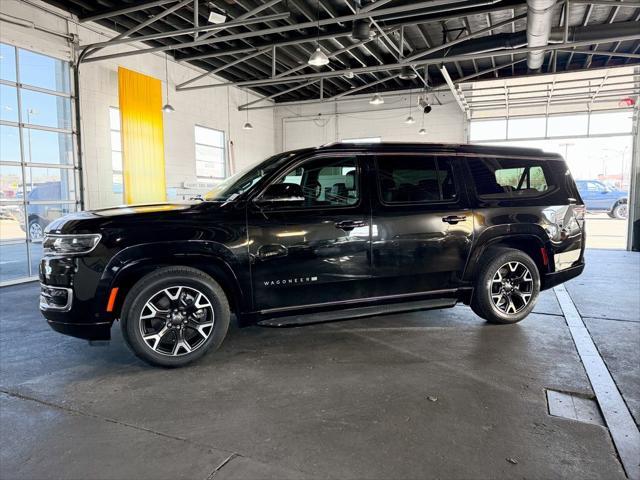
(86, 331)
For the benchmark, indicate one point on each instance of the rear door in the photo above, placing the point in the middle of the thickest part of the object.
(422, 226)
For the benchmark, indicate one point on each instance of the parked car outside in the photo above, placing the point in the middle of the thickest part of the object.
(347, 228)
(599, 197)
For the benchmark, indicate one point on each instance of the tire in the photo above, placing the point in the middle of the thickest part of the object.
(620, 211)
(173, 316)
(497, 297)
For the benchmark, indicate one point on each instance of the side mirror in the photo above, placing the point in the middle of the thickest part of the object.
(281, 192)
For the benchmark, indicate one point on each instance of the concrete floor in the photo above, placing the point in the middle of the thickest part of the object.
(435, 394)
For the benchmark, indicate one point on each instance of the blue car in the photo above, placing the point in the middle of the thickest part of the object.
(598, 197)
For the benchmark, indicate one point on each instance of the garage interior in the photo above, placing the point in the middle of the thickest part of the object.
(424, 394)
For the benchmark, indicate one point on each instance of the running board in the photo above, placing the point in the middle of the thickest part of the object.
(353, 313)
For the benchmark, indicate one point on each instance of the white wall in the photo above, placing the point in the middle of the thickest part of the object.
(316, 124)
(214, 108)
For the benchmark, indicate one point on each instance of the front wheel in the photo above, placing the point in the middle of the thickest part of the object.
(620, 211)
(507, 287)
(174, 315)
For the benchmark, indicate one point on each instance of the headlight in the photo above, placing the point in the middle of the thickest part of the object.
(70, 244)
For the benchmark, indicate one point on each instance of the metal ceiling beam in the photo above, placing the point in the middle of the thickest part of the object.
(603, 53)
(123, 11)
(185, 31)
(245, 16)
(222, 67)
(429, 61)
(277, 94)
(286, 28)
(459, 97)
(607, 3)
(124, 36)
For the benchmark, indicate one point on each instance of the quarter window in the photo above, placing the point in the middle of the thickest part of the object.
(415, 179)
(324, 182)
(510, 178)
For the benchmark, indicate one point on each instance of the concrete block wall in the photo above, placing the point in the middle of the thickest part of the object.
(316, 124)
(38, 27)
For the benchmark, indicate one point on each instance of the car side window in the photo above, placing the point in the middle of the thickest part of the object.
(497, 178)
(415, 179)
(595, 187)
(323, 182)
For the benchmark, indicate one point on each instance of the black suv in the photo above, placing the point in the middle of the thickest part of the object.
(355, 228)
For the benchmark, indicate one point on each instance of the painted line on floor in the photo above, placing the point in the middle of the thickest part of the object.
(623, 429)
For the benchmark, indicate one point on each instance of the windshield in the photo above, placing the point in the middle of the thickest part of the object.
(241, 182)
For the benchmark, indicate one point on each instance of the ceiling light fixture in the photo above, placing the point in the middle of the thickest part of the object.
(376, 99)
(167, 108)
(422, 131)
(407, 73)
(410, 120)
(318, 58)
(247, 125)
(215, 17)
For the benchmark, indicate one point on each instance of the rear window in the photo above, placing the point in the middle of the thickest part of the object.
(510, 178)
(415, 179)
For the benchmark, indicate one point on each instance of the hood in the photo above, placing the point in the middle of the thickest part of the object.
(90, 221)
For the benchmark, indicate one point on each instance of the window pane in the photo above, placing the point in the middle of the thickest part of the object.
(9, 144)
(616, 122)
(408, 179)
(46, 110)
(10, 183)
(209, 136)
(205, 169)
(12, 223)
(527, 127)
(324, 182)
(214, 158)
(116, 142)
(567, 125)
(50, 184)
(503, 178)
(118, 183)
(8, 104)
(114, 118)
(41, 146)
(7, 62)
(116, 161)
(488, 130)
(43, 71)
(42, 215)
(13, 261)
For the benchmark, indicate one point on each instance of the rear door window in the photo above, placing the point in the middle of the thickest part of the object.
(415, 179)
(510, 178)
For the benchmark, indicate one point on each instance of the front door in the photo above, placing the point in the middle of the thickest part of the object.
(422, 226)
(309, 235)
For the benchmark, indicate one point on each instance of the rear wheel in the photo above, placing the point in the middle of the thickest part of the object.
(174, 315)
(507, 287)
(620, 211)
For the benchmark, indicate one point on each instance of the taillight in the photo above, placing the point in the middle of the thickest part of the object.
(578, 212)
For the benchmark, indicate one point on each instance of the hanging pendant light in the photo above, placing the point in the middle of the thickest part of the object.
(167, 108)
(318, 58)
(247, 125)
(422, 131)
(410, 120)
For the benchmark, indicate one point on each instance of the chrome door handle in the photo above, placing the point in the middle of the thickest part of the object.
(348, 225)
(453, 219)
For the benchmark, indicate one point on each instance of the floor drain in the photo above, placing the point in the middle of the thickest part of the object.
(574, 406)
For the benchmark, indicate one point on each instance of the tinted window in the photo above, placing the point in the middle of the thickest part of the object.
(415, 179)
(510, 178)
(325, 182)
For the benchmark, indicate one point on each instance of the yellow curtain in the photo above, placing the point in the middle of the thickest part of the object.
(142, 137)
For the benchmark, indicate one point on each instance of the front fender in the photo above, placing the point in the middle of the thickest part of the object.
(219, 261)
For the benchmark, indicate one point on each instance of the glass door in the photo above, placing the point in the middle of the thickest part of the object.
(38, 169)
